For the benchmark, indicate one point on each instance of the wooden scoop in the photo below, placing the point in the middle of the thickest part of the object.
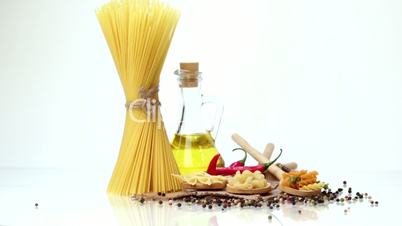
(273, 169)
(233, 190)
(305, 193)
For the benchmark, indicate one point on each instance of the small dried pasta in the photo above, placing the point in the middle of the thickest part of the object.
(201, 177)
(259, 183)
(298, 179)
(314, 187)
(248, 180)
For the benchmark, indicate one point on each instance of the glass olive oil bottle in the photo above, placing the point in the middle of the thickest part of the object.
(193, 144)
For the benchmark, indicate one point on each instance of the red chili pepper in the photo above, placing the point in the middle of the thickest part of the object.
(213, 170)
(240, 162)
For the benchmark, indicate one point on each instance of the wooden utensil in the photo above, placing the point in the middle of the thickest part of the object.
(233, 190)
(305, 193)
(269, 148)
(268, 151)
(200, 186)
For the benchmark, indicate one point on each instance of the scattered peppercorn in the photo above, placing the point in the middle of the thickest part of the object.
(179, 204)
(344, 182)
(36, 205)
(376, 202)
(159, 193)
(299, 211)
(269, 217)
(160, 202)
(204, 205)
(142, 200)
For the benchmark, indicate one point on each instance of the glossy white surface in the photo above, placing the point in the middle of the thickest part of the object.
(78, 198)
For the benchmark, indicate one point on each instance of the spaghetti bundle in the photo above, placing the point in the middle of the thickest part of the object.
(138, 33)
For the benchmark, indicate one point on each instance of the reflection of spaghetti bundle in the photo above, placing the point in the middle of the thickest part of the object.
(139, 33)
(129, 213)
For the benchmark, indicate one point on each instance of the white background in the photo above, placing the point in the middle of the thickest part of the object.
(321, 79)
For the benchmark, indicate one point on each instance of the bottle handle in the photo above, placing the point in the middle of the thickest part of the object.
(214, 128)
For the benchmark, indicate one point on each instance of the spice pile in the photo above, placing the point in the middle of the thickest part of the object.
(218, 201)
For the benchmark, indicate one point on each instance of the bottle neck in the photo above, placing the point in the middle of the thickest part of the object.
(191, 118)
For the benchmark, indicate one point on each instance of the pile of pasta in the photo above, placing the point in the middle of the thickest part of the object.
(248, 180)
(302, 180)
(202, 178)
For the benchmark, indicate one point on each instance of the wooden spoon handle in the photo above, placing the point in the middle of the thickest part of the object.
(268, 150)
(248, 148)
(291, 165)
(273, 169)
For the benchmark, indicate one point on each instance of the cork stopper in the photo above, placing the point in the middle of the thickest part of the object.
(189, 74)
(190, 67)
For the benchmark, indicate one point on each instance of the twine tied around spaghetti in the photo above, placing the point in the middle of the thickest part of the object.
(144, 102)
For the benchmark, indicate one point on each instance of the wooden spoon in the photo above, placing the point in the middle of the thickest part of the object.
(233, 190)
(305, 193)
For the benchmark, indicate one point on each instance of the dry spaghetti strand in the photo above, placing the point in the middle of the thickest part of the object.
(139, 33)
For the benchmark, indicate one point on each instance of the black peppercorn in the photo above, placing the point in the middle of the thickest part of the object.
(36, 204)
(160, 202)
(210, 206)
(179, 204)
(142, 200)
(269, 217)
(159, 193)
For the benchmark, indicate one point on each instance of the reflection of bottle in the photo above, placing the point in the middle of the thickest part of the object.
(193, 144)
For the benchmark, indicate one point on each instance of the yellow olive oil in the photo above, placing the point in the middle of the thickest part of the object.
(194, 152)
